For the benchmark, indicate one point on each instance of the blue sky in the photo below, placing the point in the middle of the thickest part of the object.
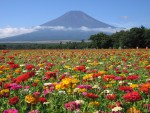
(28, 13)
(122, 13)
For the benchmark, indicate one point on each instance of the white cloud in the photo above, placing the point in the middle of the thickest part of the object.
(125, 17)
(13, 31)
(109, 29)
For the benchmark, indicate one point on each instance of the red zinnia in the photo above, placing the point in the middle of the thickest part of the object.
(92, 95)
(125, 88)
(132, 77)
(111, 97)
(13, 100)
(29, 67)
(42, 99)
(132, 96)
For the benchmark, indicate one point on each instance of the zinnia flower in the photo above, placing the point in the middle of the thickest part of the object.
(11, 111)
(133, 110)
(72, 105)
(31, 99)
(111, 96)
(13, 100)
(132, 97)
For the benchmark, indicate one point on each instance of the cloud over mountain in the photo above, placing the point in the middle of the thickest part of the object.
(71, 25)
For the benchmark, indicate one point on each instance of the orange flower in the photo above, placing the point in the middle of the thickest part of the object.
(133, 110)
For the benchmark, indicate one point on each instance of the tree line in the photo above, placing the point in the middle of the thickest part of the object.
(135, 37)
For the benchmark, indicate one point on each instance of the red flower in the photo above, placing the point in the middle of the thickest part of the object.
(92, 95)
(125, 88)
(147, 67)
(13, 100)
(34, 84)
(29, 67)
(132, 77)
(14, 66)
(132, 97)
(111, 97)
(50, 74)
(42, 99)
(108, 77)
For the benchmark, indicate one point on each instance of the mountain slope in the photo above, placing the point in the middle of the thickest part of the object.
(76, 19)
(74, 25)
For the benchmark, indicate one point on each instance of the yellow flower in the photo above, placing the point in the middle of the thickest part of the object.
(133, 110)
(3, 91)
(87, 77)
(9, 76)
(74, 86)
(75, 76)
(3, 79)
(112, 82)
(108, 85)
(41, 65)
(110, 67)
(102, 72)
(58, 86)
(123, 75)
(94, 103)
(67, 67)
(1, 72)
(134, 85)
(31, 99)
(17, 71)
(82, 90)
(36, 81)
(74, 80)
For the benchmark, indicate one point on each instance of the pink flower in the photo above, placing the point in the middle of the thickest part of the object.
(72, 105)
(11, 111)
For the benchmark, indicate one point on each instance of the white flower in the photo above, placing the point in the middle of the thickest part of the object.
(119, 66)
(24, 71)
(88, 60)
(121, 82)
(80, 101)
(148, 80)
(87, 67)
(117, 109)
(47, 84)
(46, 103)
(78, 111)
(21, 65)
(129, 83)
(25, 91)
(101, 63)
(62, 92)
(75, 90)
(107, 92)
(96, 87)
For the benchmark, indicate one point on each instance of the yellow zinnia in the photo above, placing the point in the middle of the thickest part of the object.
(31, 99)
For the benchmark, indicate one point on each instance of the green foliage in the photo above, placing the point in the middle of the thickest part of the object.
(135, 37)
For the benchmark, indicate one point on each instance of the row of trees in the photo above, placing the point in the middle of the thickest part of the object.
(135, 37)
(68, 45)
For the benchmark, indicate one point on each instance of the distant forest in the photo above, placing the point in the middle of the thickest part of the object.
(135, 37)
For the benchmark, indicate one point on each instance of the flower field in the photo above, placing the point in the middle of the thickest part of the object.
(75, 81)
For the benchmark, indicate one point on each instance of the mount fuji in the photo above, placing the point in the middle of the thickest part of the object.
(73, 25)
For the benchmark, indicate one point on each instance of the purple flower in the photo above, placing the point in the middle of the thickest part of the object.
(85, 87)
(11, 111)
(15, 86)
